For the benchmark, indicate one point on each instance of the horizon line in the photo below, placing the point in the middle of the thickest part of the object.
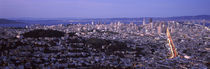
(94, 17)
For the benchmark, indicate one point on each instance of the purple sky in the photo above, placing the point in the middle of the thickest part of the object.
(102, 8)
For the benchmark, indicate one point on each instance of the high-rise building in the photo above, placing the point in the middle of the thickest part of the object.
(203, 21)
(159, 29)
(92, 23)
(151, 25)
(144, 22)
(150, 20)
(164, 28)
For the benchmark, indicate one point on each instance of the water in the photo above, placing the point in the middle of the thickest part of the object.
(24, 25)
(64, 23)
(14, 25)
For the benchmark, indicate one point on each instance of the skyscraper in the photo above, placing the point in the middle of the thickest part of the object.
(150, 20)
(151, 25)
(159, 29)
(92, 23)
(144, 22)
(203, 21)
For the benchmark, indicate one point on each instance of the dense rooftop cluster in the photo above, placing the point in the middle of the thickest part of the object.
(114, 45)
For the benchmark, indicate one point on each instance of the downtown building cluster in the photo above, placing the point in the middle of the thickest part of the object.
(114, 45)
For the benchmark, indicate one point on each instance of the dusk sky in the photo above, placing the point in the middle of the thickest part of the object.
(102, 8)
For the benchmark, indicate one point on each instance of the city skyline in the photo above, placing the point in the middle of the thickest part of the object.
(102, 8)
(104, 34)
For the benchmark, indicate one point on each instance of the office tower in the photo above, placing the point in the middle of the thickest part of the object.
(151, 25)
(159, 28)
(204, 21)
(164, 28)
(144, 22)
(150, 20)
(92, 23)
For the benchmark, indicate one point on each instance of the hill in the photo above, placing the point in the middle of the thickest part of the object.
(6, 21)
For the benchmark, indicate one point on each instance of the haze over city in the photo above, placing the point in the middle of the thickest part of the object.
(104, 34)
(102, 8)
